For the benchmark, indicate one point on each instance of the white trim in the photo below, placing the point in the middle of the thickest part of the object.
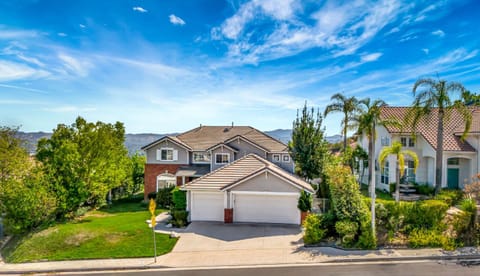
(277, 155)
(246, 140)
(286, 155)
(167, 160)
(222, 153)
(260, 172)
(161, 140)
(264, 193)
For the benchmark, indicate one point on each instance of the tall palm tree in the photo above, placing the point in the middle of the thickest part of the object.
(396, 149)
(430, 94)
(367, 122)
(349, 106)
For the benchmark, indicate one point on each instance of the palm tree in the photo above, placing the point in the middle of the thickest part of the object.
(435, 94)
(348, 106)
(367, 122)
(396, 149)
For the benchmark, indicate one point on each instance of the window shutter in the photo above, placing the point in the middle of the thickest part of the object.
(175, 155)
(159, 154)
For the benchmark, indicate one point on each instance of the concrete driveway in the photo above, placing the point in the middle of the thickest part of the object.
(211, 236)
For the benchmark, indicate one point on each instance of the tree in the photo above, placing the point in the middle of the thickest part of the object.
(430, 94)
(83, 162)
(469, 98)
(308, 147)
(367, 122)
(396, 149)
(25, 200)
(349, 106)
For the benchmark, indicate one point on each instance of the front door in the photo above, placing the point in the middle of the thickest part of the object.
(452, 178)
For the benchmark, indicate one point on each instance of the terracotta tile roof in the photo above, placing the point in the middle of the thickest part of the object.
(239, 170)
(428, 127)
(204, 137)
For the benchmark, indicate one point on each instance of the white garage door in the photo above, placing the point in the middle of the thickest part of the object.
(207, 206)
(266, 208)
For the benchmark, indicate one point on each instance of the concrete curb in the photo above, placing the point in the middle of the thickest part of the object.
(155, 266)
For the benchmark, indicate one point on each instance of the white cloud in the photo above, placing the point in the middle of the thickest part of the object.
(426, 50)
(175, 20)
(371, 57)
(10, 71)
(82, 26)
(438, 33)
(339, 28)
(62, 34)
(16, 34)
(139, 9)
(75, 66)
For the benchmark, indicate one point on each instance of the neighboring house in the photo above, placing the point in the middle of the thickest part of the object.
(230, 173)
(460, 158)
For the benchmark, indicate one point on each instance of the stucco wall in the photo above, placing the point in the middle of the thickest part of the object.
(152, 153)
(266, 182)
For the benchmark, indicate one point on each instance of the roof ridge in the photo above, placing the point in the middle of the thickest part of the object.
(224, 167)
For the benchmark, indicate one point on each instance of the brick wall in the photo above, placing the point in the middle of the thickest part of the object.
(153, 170)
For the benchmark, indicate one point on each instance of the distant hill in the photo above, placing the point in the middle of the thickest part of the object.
(134, 142)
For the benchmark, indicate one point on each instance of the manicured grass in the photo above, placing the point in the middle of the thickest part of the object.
(116, 232)
(380, 194)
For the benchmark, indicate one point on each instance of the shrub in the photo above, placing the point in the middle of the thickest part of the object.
(179, 218)
(464, 223)
(179, 199)
(81, 211)
(152, 195)
(164, 196)
(305, 202)
(313, 232)
(424, 189)
(430, 238)
(327, 222)
(366, 239)
(451, 197)
(347, 231)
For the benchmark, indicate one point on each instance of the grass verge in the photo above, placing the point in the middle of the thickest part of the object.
(116, 232)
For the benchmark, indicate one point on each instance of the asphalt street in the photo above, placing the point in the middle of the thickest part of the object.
(436, 268)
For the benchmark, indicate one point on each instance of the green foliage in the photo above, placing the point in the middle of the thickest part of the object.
(308, 147)
(465, 223)
(349, 106)
(450, 196)
(179, 199)
(25, 200)
(82, 162)
(349, 209)
(116, 231)
(313, 231)
(347, 231)
(179, 218)
(164, 196)
(424, 189)
(429, 238)
(305, 202)
(327, 222)
(345, 196)
(134, 181)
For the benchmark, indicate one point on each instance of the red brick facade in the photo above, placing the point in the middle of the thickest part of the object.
(153, 170)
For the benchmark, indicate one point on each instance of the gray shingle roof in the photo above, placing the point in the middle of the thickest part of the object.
(239, 170)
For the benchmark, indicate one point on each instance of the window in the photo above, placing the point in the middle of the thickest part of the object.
(385, 173)
(276, 158)
(453, 161)
(385, 141)
(165, 180)
(286, 158)
(407, 142)
(222, 158)
(201, 157)
(409, 174)
(167, 154)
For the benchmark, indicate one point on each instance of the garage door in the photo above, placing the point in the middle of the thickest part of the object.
(207, 206)
(266, 208)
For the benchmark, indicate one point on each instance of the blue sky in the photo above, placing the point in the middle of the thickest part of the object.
(166, 66)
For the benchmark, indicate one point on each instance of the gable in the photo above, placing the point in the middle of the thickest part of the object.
(266, 182)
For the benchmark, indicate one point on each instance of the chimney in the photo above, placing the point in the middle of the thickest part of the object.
(232, 124)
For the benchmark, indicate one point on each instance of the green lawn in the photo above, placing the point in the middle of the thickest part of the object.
(116, 232)
(379, 194)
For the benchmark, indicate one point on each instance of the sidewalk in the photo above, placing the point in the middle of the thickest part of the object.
(299, 255)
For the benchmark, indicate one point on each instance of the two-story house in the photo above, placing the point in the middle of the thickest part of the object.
(225, 166)
(460, 158)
